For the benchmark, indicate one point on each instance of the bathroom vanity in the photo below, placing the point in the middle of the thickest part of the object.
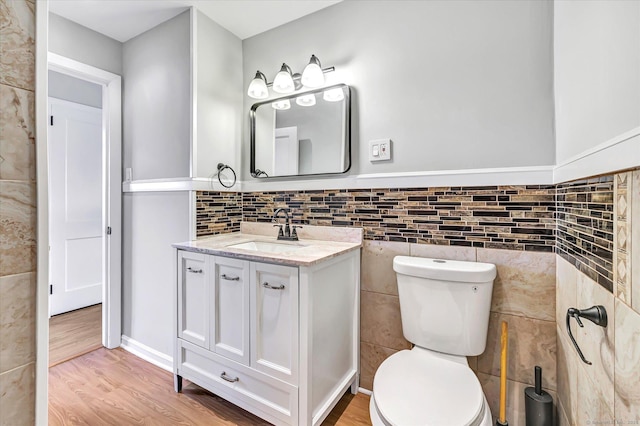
(271, 326)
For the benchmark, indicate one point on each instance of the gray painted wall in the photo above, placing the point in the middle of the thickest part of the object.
(157, 101)
(219, 97)
(151, 223)
(597, 73)
(454, 84)
(62, 86)
(76, 42)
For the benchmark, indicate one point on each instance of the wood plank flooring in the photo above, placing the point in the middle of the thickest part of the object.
(74, 333)
(114, 387)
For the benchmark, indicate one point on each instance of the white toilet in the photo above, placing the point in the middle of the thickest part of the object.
(444, 306)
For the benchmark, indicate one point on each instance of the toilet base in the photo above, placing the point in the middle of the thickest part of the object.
(377, 420)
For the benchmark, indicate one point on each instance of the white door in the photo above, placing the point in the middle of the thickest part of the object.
(76, 205)
(286, 151)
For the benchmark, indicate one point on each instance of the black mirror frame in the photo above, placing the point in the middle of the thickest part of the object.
(259, 174)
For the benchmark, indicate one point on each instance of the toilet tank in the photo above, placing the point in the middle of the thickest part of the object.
(445, 304)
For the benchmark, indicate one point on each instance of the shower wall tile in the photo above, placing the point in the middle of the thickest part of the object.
(597, 343)
(434, 251)
(592, 409)
(17, 320)
(623, 190)
(377, 272)
(525, 284)
(17, 396)
(17, 43)
(634, 256)
(566, 292)
(610, 385)
(17, 138)
(371, 356)
(531, 342)
(563, 420)
(567, 375)
(17, 227)
(627, 363)
(380, 322)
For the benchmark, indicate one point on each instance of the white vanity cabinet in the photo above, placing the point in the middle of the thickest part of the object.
(280, 341)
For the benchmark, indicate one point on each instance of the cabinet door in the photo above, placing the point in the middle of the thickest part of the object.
(230, 316)
(274, 320)
(193, 298)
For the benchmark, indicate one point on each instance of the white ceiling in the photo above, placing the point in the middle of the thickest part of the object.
(125, 19)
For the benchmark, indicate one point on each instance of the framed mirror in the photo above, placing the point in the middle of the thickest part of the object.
(302, 134)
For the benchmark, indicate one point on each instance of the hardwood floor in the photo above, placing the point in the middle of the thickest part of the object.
(74, 333)
(114, 387)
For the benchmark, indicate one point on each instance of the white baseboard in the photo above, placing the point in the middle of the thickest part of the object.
(146, 353)
(365, 391)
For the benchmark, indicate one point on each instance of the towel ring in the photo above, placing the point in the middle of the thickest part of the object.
(221, 168)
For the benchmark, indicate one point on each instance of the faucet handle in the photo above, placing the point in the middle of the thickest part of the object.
(280, 231)
(294, 233)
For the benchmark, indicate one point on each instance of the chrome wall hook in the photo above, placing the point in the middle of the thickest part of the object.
(596, 314)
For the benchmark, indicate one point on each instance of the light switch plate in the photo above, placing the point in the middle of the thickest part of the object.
(380, 150)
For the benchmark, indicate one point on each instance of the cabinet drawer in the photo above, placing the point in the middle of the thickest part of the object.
(262, 395)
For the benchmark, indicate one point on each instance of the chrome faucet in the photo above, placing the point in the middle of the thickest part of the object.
(286, 233)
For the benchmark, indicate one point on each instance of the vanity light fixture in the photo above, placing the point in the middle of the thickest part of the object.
(312, 76)
(283, 83)
(287, 82)
(258, 87)
(281, 104)
(306, 100)
(333, 95)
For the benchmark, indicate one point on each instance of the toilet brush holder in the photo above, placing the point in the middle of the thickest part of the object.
(538, 404)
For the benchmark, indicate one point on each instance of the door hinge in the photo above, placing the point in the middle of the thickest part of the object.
(108, 230)
(52, 120)
(50, 288)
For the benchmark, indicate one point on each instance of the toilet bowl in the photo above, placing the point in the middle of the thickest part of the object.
(419, 387)
(444, 306)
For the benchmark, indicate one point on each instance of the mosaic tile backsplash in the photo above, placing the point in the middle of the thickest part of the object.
(585, 227)
(218, 212)
(506, 217)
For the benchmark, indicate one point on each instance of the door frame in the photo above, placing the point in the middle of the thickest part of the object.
(112, 196)
(112, 189)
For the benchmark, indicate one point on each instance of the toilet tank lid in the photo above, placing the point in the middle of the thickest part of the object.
(445, 270)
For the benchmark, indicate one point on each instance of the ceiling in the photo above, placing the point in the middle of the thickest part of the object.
(123, 20)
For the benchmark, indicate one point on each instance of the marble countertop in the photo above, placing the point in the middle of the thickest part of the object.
(315, 244)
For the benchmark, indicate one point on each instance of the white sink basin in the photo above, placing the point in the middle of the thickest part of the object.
(266, 246)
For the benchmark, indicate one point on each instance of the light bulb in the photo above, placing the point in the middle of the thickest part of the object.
(283, 83)
(281, 104)
(333, 95)
(306, 100)
(258, 87)
(312, 76)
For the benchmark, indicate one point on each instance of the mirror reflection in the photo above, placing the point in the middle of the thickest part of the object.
(302, 134)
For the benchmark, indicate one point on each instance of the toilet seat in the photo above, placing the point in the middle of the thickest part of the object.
(421, 387)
